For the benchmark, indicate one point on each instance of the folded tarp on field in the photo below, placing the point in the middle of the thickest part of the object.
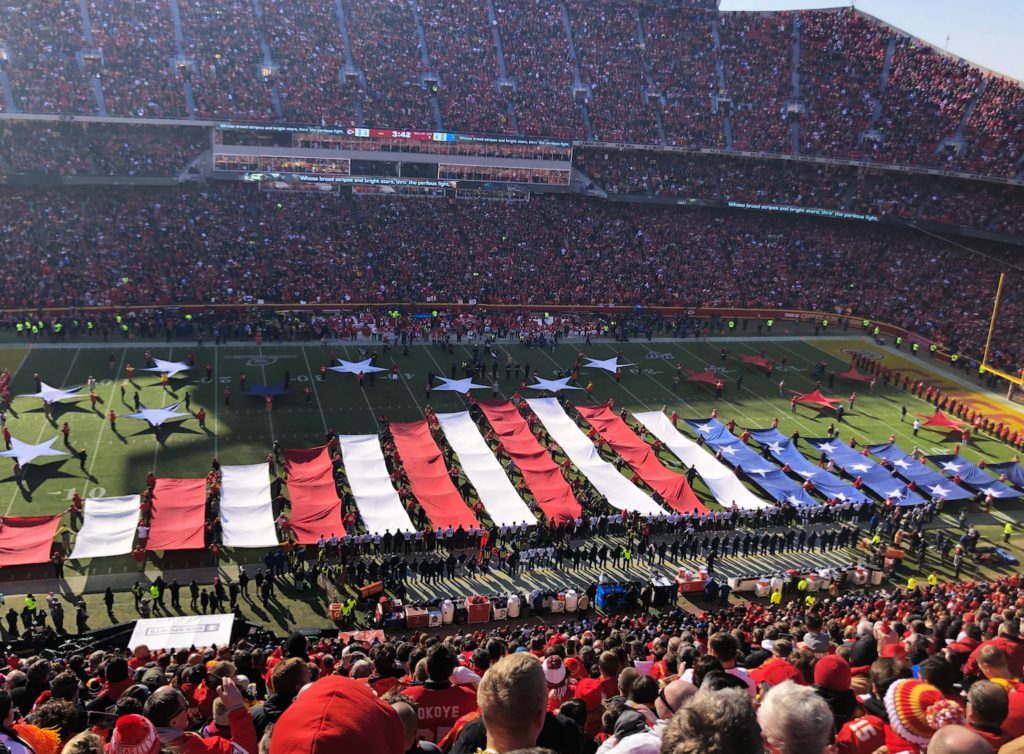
(815, 398)
(942, 421)
(727, 489)
(108, 527)
(876, 478)
(765, 475)
(853, 374)
(245, 514)
(501, 501)
(26, 540)
(178, 515)
(672, 486)
(376, 498)
(429, 478)
(925, 477)
(972, 476)
(316, 508)
(784, 451)
(619, 491)
(553, 494)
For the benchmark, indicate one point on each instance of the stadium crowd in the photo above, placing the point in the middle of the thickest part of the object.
(621, 52)
(240, 246)
(757, 55)
(537, 59)
(987, 206)
(933, 667)
(100, 148)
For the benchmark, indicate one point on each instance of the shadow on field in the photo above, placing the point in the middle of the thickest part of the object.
(34, 474)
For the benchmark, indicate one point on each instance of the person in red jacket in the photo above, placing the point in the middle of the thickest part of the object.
(167, 709)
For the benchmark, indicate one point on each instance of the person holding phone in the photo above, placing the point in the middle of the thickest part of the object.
(167, 709)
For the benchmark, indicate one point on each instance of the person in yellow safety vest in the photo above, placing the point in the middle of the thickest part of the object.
(875, 332)
(30, 602)
(953, 358)
(914, 348)
(931, 349)
(899, 341)
(809, 601)
(732, 325)
(867, 324)
(19, 327)
(1007, 531)
(932, 579)
(770, 323)
(911, 584)
(824, 324)
(801, 585)
(876, 540)
(627, 555)
(776, 598)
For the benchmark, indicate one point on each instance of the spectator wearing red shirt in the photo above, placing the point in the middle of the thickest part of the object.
(595, 690)
(439, 703)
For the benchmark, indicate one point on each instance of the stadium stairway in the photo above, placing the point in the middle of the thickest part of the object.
(350, 66)
(10, 104)
(83, 10)
(268, 60)
(970, 108)
(179, 42)
(654, 99)
(727, 123)
(435, 106)
(794, 123)
(883, 84)
(502, 70)
(576, 80)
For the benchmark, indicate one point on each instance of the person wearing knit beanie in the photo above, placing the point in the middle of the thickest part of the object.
(134, 734)
(916, 710)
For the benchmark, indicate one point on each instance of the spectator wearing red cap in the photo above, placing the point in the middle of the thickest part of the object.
(134, 734)
(595, 690)
(832, 683)
(777, 668)
(337, 714)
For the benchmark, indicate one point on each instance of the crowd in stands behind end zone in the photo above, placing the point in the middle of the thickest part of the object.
(621, 51)
(100, 148)
(237, 246)
(931, 668)
(988, 206)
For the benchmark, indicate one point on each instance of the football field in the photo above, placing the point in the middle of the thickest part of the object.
(242, 430)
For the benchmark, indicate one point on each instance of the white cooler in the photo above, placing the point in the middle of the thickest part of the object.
(572, 601)
(434, 617)
(513, 606)
(447, 611)
(813, 582)
(558, 604)
(763, 588)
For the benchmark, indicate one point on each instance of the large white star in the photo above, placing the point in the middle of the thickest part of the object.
(760, 472)
(459, 386)
(703, 428)
(609, 365)
(903, 464)
(806, 474)
(171, 367)
(895, 493)
(54, 394)
(795, 499)
(939, 490)
(729, 450)
(861, 467)
(827, 447)
(775, 447)
(952, 466)
(553, 385)
(156, 416)
(26, 453)
(355, 367)
(990, 491)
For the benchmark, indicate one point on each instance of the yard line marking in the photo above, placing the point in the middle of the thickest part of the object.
(312, 382)
(270, 414)
(103, 424)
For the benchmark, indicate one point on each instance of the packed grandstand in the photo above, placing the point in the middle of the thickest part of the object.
(178, 164)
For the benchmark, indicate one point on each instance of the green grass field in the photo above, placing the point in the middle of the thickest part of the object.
(243, 431)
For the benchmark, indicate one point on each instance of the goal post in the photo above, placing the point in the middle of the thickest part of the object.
(1014, 379)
